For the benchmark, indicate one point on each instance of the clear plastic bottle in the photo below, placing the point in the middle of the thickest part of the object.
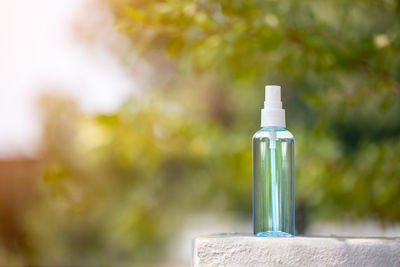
(273, 171)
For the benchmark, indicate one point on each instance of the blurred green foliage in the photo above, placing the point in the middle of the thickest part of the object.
(117, 187)
(339, 64)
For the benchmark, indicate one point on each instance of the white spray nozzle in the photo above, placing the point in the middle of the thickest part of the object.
(273, 115)
(272, 96)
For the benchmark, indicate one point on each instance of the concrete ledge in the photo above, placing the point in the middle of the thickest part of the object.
(247, 250)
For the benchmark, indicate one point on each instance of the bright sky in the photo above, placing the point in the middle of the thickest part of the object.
(38, 52)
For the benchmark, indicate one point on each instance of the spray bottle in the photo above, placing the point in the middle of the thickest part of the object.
(273, 170)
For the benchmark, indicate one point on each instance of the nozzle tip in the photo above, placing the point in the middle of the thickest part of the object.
(272, 93)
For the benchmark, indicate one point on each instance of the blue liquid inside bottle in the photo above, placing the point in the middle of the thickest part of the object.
(273, 182)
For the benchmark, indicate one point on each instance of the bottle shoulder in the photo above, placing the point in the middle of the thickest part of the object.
(280, 133)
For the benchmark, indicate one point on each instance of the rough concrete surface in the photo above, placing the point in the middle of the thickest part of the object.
(247, 250)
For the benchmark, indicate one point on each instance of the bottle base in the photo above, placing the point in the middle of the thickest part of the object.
(273, 234)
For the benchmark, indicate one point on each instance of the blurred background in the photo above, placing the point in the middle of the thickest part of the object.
(126, 125)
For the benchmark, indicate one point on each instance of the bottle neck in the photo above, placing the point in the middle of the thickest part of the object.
(273, 128)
